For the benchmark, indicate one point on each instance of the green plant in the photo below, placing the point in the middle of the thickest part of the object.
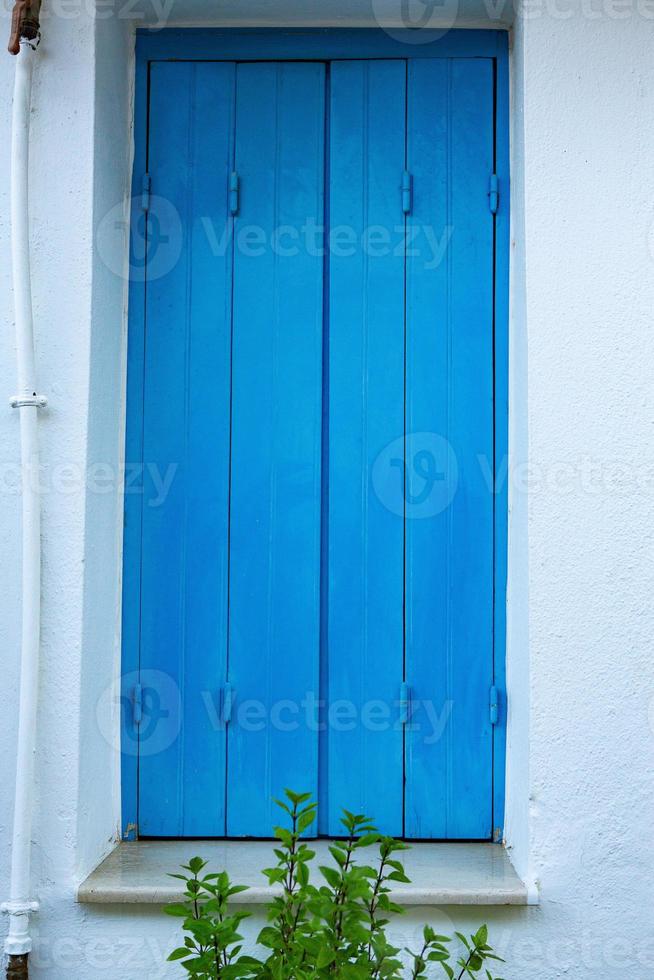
(335, 929)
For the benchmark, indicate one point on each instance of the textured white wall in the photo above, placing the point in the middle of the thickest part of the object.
(585, 148)
(581, 673)
(80, 151)
(61, 168)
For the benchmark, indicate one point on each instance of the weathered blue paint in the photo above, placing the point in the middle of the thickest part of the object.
(274, 591)
(319, 43)
(366, 414)
(481, 55)
(186, 441)
(131, 604)
(501, 447)
(449, 390)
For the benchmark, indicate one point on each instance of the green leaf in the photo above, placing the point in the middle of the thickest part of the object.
(180, 953)
(297, 798)
(270, 937)
(331, 875)
(397, 876)
(236, 889)
(325, 957)
(176, 909)
(305, 820)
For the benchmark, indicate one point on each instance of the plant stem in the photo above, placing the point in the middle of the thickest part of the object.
(339, 900)
(414, 974)
(467, 963)
(374, 901)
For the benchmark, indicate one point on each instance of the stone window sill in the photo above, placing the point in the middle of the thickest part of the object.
(441, 874)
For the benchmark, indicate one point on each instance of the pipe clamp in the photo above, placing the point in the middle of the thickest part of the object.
(19, 908)
(33, 401)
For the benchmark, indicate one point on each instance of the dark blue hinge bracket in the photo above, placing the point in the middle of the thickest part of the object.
(407, 192)
(137, 704)
(494, 706)
(494, 194)
(233, 192)
(146, 185)
(228, 703)
(404, 702)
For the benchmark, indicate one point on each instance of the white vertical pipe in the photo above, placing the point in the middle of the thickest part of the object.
(19, 906)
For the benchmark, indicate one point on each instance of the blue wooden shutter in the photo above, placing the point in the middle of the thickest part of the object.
(274, 619)
(364, 652)
(185, 436)
(328, 531)
(449, 384)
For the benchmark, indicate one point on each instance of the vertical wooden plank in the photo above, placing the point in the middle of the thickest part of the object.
(363, 737)
(274, 613)
(449, 536)
(131, 584)
(186, 452)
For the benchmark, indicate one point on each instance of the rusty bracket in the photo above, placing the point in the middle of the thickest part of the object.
(25, 23)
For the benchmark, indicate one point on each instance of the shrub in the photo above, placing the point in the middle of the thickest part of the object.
(335, 929)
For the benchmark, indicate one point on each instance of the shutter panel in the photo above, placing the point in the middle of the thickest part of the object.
(274, 624)
(363, 755)
(449, 544)
(185, 435)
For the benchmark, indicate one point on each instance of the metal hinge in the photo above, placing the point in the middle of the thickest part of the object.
(494, 193)
(234, 189)
(146, 185)
(404, 702)
(494, 706)
(228, 703)
(137, 704)
(407, 192)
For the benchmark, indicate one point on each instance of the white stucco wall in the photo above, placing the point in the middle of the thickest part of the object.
(584, 146)
(581, 616)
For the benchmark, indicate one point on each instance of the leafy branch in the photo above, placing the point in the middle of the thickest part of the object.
(337, 928)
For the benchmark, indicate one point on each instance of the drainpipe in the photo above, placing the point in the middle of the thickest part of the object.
(23, 44)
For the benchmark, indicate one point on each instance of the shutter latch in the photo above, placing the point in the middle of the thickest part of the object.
(405, 701)
(407, 194)
(228, 703)
(494, 194)
(137, 704)
(146, 185)
(494, 706)
(234, 193)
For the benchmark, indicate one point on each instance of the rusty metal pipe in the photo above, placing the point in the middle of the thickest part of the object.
(17, 968)
(25, 24)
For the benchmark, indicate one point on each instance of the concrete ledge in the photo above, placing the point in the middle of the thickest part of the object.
(441, 874)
